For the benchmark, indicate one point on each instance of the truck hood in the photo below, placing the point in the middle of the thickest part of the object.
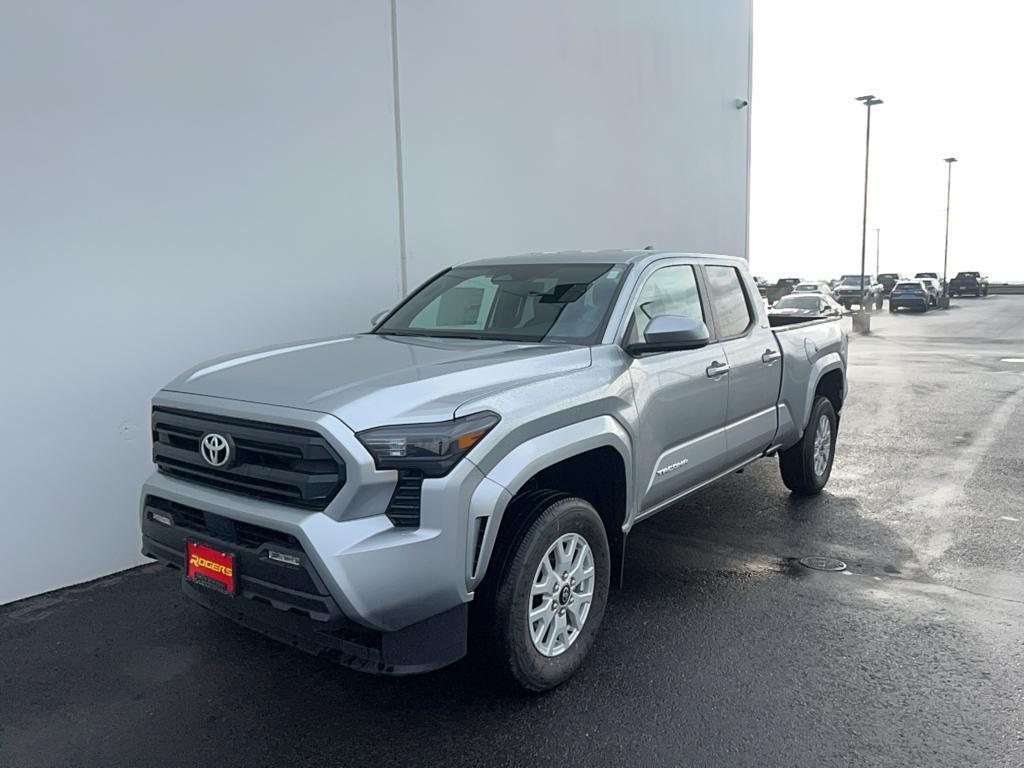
(369, 380)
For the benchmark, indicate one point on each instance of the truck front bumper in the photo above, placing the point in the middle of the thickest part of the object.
(289, 601)
(388, 598)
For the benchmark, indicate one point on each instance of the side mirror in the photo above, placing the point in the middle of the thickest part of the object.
(378, 317)
(670, 333)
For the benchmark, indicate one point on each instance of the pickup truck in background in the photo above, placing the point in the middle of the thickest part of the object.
(848, 292)
(783, 287)
(968, 284)
(490, 443)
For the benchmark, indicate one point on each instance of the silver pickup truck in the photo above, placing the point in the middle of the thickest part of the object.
(491, 442)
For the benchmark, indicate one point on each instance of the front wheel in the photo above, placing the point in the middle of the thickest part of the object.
(807, 465)
(551, 596)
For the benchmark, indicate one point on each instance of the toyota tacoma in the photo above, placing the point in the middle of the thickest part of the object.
(490, 443)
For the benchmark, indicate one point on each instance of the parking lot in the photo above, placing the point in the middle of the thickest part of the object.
(720, 650)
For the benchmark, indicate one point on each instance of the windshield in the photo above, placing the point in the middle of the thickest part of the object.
(808, 288)
(797, 302)
(511, 302)
(968, 274)
(900, 287)
(855, 280)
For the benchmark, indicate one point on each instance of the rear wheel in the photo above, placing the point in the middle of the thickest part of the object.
(551, 596)
(807, 465)
(881, 301)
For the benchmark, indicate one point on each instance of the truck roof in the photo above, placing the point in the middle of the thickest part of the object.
(610, 256)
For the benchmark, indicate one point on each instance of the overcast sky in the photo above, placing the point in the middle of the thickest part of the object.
(951, 76)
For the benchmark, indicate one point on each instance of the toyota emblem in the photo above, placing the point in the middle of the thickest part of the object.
(215, 449)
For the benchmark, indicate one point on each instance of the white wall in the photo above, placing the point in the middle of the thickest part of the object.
(181, 180)
(543, 125)
(177, 180)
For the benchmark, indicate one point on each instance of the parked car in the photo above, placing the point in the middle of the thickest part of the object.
(492, 440)
(934, 288)
(848, 292)
(782, 287)
(803, 306)
(968, 284)
(910, 294)
(815, 287)
(931, 276)
(888, 280)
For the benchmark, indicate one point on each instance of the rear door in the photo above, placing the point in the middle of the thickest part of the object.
(755, 363)
(680, 396)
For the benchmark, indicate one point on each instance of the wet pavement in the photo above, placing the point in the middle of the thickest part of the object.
(721, 650)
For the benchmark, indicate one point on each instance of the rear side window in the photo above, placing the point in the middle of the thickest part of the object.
(728, 301)
(669, 291)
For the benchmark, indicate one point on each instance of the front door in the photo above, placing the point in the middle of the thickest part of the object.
(681, 397)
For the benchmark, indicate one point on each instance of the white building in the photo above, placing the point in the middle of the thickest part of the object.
(182, 180)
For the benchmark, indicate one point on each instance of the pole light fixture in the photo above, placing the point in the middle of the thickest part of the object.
(945, 253)
(869, 101)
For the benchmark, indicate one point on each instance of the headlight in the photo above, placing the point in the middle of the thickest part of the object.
(432, 448)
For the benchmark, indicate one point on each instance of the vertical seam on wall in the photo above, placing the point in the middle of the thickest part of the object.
(403, 279)
(750, 110)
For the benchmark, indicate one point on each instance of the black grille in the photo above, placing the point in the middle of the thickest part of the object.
(273, 462)
(231, 531)
(404, 508)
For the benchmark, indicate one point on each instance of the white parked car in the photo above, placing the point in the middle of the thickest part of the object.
(934, 287)
(815, 287)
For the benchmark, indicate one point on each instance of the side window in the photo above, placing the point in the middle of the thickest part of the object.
(669, 291)
(729, 301)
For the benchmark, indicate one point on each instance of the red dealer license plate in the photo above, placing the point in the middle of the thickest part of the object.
(210, 567)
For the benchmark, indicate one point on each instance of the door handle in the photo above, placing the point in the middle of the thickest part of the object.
(717, 369)
(770, 356)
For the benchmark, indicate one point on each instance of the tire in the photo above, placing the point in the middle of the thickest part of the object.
(512, 644)
(881, 301)
(797, 463)
(926, 307)
(891, 307)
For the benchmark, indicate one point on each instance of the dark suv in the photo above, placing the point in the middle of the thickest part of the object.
(888, 280)
(968, 284)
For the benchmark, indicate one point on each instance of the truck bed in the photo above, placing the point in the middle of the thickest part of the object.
(808, 349)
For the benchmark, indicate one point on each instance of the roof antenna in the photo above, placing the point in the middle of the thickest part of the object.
(648, 247)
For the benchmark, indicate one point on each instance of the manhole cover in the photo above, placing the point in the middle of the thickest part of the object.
(823, 563)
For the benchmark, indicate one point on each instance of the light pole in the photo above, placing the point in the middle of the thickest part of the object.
(878, 248)
(945, 253)
(868, 101)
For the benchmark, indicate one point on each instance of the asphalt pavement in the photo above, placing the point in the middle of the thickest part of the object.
(721, 650)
